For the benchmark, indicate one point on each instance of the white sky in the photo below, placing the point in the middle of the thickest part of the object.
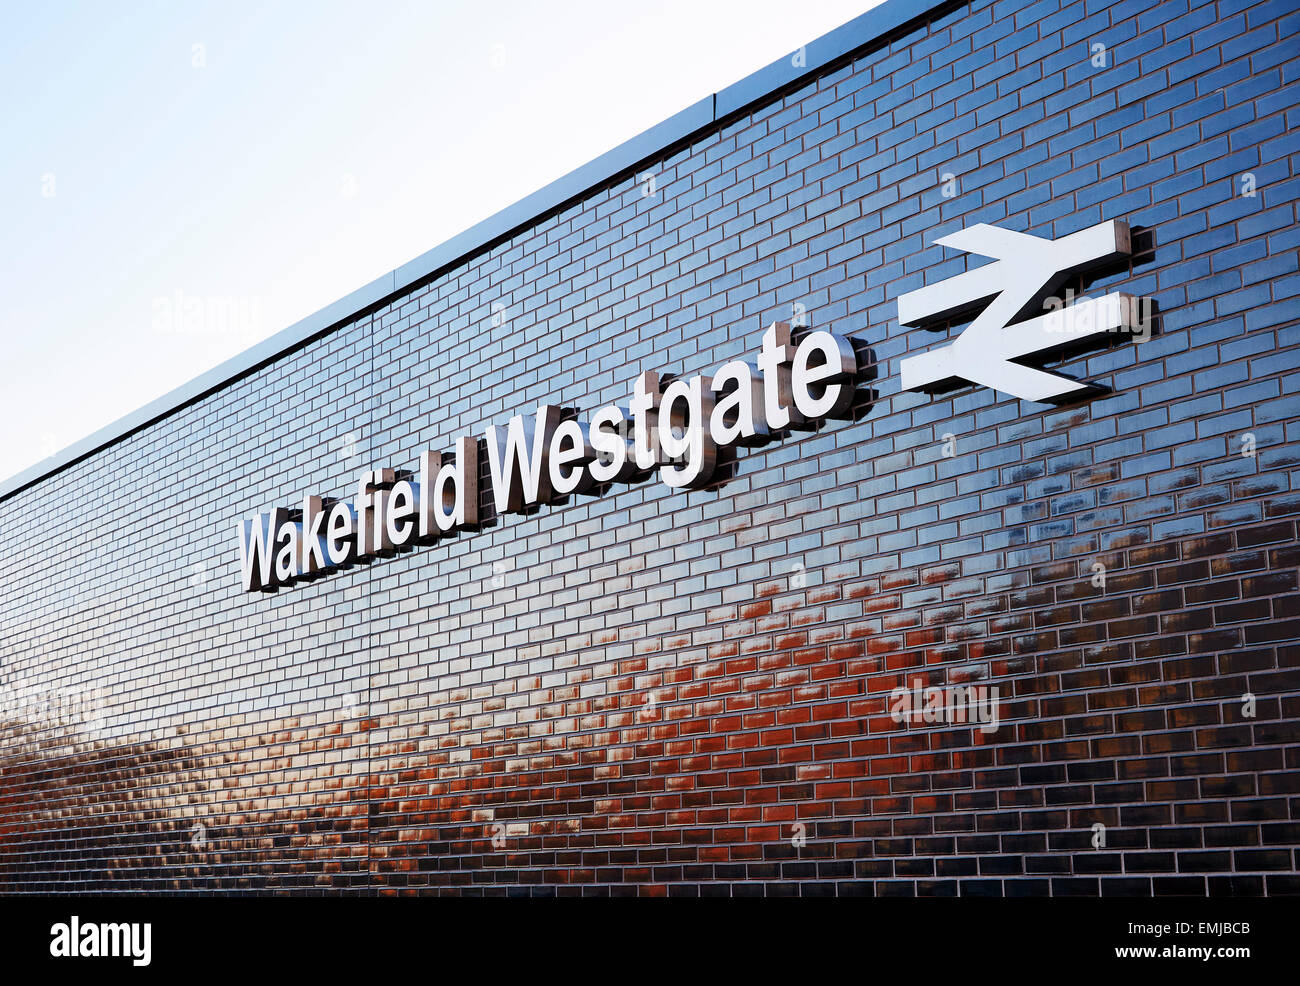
(273, 157)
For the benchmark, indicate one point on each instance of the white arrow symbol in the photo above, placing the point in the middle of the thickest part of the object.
(1025, 268)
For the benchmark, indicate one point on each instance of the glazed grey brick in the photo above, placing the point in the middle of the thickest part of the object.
(825, 193)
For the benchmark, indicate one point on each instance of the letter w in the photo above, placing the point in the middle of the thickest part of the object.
(520, 476)
(257, 549)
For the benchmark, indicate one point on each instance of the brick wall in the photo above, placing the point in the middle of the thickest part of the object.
(688, 693)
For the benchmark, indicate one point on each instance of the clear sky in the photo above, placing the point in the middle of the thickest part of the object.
(254, 162)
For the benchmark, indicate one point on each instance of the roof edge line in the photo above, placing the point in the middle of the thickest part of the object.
(781, 75)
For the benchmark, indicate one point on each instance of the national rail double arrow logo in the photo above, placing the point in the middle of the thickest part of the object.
(1026, 269)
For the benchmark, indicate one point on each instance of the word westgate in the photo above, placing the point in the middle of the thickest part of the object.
(683, 429)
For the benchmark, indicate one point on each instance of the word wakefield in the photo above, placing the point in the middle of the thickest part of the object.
(681, 428)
